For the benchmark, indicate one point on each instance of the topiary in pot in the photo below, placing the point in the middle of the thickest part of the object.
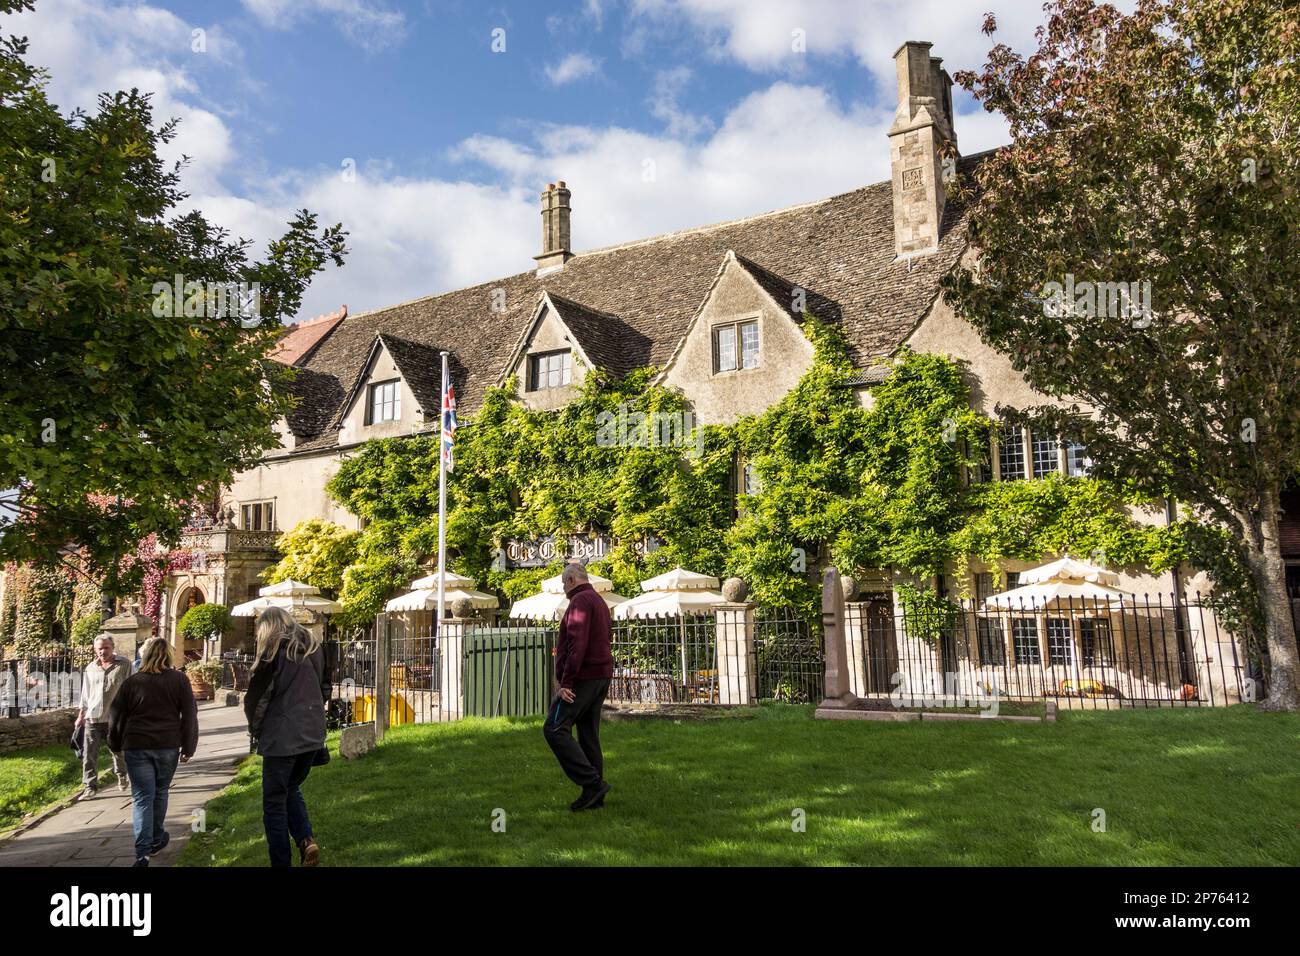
(204, 622)
(204, 677)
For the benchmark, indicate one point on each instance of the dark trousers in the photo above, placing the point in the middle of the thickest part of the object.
(580, 759)
(284, 812)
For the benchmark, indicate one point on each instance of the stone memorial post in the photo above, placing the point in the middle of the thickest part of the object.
(839, 695)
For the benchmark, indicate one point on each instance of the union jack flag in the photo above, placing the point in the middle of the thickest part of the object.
(448, 421)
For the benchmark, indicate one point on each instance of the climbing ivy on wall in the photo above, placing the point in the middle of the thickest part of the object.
(859, 487)
(42, 603)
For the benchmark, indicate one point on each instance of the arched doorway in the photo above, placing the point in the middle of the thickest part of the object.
(184, 651)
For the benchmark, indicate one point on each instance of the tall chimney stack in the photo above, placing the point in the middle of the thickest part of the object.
(922, 125)
(556, 241)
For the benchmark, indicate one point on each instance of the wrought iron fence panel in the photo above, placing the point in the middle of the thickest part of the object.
(1130, 651)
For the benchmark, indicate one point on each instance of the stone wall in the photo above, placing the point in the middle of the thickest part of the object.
(37, 730)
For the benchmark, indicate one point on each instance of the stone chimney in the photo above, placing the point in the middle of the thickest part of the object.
(556, 240)
(922, 125)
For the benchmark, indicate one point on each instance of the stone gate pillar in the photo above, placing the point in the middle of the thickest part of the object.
(451, 656)
(129, 630)
(737, 675)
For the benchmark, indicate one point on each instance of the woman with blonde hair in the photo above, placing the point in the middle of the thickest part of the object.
(285, 706)
(153, 723)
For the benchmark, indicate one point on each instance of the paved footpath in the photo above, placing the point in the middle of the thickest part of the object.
(97, 831)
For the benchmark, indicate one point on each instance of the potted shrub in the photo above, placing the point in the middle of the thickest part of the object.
(204, 622)
(204, 677)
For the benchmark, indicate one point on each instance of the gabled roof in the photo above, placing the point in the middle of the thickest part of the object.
(841, 248)
(604, 338)
(419, 365)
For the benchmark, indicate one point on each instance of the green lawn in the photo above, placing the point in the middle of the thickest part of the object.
(1179, 787)
(35, 778)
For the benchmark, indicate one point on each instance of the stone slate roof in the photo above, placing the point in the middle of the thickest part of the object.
(630, 304)
(319, 395)
(421, 368)
(419, 365)
(607, 339)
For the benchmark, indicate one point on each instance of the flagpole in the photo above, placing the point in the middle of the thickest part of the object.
(442, 501)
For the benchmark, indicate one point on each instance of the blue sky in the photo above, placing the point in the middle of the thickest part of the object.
(660, 114)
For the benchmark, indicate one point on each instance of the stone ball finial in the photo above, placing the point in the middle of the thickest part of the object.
(462, 607)
(849, 586)
(735, 590)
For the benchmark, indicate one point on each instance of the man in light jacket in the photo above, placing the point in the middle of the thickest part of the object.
(100, 682)
(583, 668)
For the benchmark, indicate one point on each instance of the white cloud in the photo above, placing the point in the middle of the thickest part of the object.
(91, 49)
(369, 25)
(663, 105)
(759, 33)
(574, 67)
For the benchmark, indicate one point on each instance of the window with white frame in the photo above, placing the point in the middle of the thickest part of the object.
(1011, 453)
(1060, 641)
(735, 346)
(257, 515)
(1024, 638)
(1046, 454)
(1077, 462)
(385, 402)
(550, 370)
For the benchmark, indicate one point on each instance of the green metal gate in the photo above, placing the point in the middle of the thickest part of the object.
(508, 671)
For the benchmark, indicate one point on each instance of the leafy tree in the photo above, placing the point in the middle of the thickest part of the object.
(118, 411)
(315, 552)
(1160, 147)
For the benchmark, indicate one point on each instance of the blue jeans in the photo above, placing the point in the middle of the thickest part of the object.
(151, 773)
(284, 812)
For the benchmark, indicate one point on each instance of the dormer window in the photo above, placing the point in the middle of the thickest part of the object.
(550, 370)
(385, 402)
(735, 346)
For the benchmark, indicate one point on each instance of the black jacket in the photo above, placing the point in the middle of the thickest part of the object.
(154, 712)
(285, 704)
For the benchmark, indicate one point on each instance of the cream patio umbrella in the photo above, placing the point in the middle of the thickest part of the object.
(1058, 583)
(290, 595)
(677, 593)
(288, 588)
(550, 602)
(423, 595)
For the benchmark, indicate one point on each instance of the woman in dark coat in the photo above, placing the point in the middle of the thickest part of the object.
(285, 706)
(153, 723)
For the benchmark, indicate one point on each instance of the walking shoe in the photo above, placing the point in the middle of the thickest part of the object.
(123, 784)
(310, 851)
(88, 792)
(141, 861)
(157, 847)
(590, 796)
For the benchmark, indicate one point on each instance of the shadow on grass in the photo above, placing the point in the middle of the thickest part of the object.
(1183, 787)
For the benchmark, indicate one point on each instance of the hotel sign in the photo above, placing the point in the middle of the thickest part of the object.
(563, 547)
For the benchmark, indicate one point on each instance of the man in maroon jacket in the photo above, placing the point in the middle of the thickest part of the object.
(583, 667)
